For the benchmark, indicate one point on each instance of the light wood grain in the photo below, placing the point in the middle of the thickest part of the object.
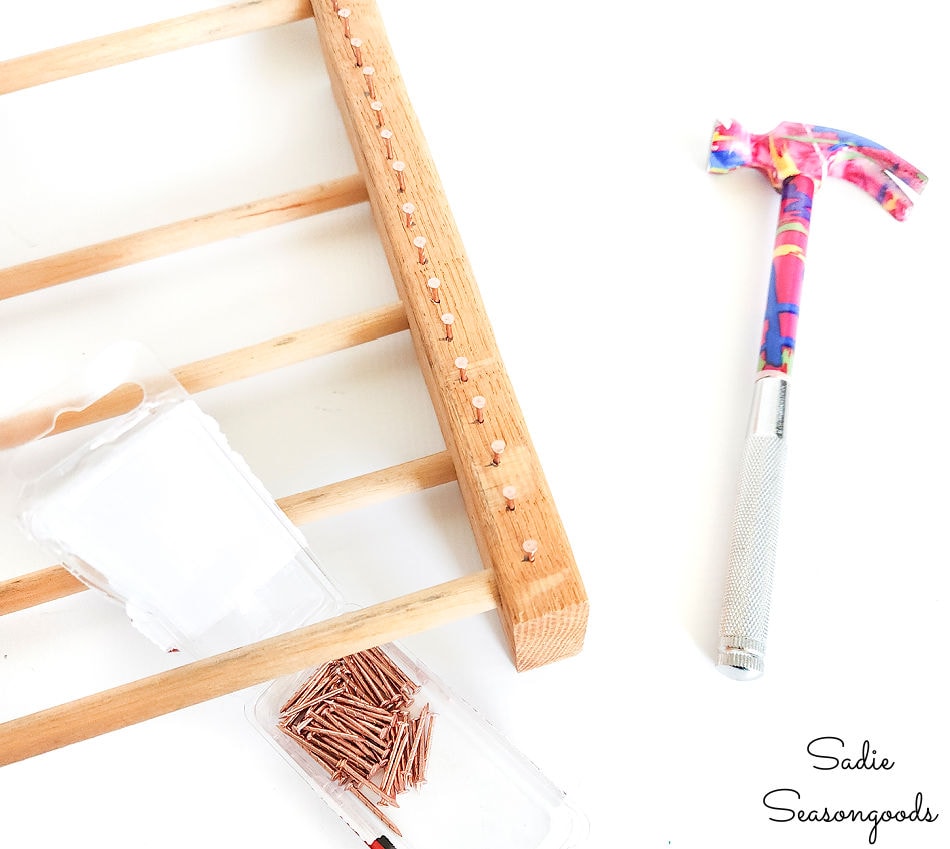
(291, 348)
(235, 670)
(371, 488)
(151, 40)
(543, 604)
(179, 236)
(55, 582)
(38, 587)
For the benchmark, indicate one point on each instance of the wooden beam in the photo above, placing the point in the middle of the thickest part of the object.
(543, 603)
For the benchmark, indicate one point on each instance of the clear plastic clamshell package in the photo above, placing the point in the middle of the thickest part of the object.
(154, 508)
(478, 791)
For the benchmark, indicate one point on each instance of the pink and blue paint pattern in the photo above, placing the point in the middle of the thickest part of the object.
(795, 158)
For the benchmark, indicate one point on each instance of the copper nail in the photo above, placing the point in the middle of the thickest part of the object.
(389, 667)
(461, 363)
(398, 745)
(344, 15)
(478, 402)
(387, 136)
(448, 320)
(426, 745)
(420, 243)
(357, 44)
(377, 107)
(407, 210)
(509, 492)
(367, 685)
(497, 449)
(369, 804)
(399, 167)
(318, 699)
(344, 768)
(368, 72)
(530, 548)
(365, 708)
(415, 764)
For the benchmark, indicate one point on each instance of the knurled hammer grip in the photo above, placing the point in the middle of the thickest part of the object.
(745, 610)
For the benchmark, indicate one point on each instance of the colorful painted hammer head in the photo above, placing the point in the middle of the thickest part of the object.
(792, 149)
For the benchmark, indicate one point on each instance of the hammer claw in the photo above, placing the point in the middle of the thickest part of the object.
(868, 175)
(885, 159)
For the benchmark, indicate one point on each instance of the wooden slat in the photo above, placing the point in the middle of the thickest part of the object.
(291, 348)
(56, 582)
(371, 488)
(150, 40)
(181, 235)
(38, 587)
(214, 371)
(235, 670)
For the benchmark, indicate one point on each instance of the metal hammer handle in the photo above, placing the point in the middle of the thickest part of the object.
(745, 610)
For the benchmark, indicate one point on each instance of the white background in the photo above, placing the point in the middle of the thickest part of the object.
(626, 288)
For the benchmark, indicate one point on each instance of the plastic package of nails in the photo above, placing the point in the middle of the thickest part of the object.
(153, 508)
(407, 763)
(120, 474)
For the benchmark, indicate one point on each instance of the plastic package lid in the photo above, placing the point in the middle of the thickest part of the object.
(155, 509)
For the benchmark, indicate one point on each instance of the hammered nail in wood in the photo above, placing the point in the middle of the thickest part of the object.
(420, 244)
(368, 71)
(479, 402)
(448, 320)
(400, 167)
(387, 136)
(497, 449)
(344, 15)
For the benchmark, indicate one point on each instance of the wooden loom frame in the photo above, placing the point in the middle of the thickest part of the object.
(540, 597)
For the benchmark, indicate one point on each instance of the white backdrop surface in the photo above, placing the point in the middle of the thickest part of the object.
(626, 288)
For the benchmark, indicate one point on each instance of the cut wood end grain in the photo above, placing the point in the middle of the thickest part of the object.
(554, 636)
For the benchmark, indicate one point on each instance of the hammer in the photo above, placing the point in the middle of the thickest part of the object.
(794, 158)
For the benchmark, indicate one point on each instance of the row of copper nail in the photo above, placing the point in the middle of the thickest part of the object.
(408, 209)
(368, 73)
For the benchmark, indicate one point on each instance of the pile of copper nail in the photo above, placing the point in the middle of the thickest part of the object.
(355, 717)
